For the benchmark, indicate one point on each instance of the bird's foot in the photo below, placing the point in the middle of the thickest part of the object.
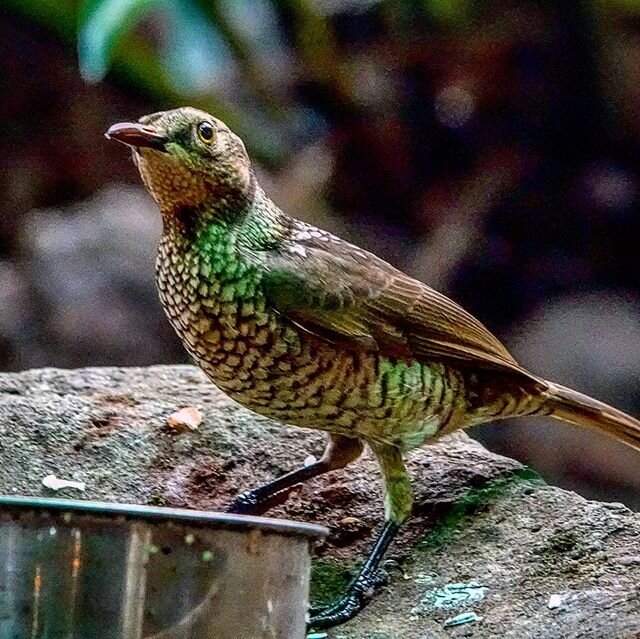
(244, 504)
(358, 595)
(256, 502)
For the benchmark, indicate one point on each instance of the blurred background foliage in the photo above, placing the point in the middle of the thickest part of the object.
(489, 148)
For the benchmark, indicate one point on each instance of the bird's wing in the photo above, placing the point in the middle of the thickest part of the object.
(344, 294)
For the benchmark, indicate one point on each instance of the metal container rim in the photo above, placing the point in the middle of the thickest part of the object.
(199, 518)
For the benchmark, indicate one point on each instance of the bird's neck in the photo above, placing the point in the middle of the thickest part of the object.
(222, 234)
(187, 222)
(265, 226)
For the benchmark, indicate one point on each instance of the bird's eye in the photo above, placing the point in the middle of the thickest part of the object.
(205, 132)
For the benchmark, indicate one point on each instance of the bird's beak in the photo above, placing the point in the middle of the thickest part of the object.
(137, 135)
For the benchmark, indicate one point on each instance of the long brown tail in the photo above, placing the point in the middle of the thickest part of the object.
(576, 408)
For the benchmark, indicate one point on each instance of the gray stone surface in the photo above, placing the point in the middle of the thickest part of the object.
(482, 521)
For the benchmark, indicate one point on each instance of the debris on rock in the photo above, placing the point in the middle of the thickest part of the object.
(450, 597)
(424, 578)
(350, 521)
(185, 419)
(52, 482)
(459, 620)
(455, 595)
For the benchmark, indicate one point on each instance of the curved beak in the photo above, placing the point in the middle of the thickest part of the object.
(136, 135)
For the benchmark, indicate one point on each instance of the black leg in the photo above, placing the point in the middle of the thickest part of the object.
(258, 500)
(362, 587)
(339, 452)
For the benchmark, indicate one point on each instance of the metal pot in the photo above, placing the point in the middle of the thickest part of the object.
(90, 570)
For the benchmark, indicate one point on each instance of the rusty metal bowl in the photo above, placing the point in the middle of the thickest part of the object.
(90, 570)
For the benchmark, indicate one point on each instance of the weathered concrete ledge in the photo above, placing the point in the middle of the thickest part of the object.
(533, 561)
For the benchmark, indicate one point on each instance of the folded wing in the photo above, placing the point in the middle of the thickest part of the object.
(343, 294)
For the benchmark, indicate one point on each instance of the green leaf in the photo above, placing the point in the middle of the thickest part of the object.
(102, 25)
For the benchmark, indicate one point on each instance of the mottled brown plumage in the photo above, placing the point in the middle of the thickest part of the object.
(303, 327)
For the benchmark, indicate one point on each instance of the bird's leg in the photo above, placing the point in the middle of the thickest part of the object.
(398, 503)
(361, 589)
(339, 452)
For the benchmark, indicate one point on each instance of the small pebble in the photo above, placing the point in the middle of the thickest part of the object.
(555, 601)
(188, 418)
(458, 620)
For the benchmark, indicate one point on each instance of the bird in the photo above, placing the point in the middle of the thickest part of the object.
(309, 330)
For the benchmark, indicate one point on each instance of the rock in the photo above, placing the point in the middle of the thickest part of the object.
(489, 547)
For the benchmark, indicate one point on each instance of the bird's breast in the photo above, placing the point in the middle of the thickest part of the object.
(277, 369)
(219, 314)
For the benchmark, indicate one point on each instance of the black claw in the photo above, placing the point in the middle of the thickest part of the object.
(379, 579)
(350, 604)
(363, 587)
(316, 611)
(244, 504)
(253, 502)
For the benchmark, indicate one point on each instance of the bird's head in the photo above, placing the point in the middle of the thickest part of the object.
(187, 158)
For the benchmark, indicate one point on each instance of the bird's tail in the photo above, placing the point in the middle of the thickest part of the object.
(573, 407)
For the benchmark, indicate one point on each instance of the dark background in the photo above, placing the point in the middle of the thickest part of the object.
(488, 148)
